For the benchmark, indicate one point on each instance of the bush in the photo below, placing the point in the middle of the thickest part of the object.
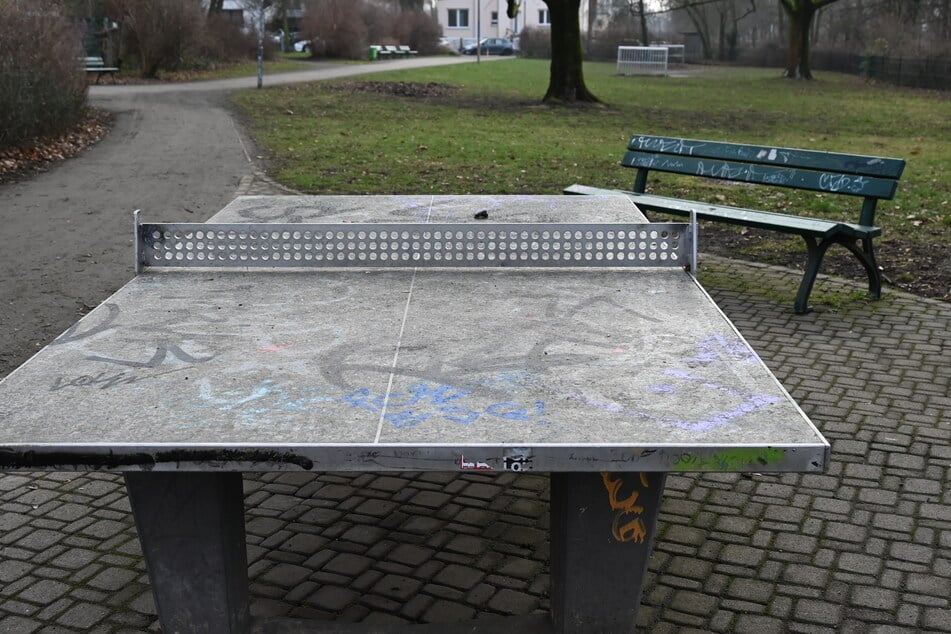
(225, 41)
(533, 42)
(419, 31)
(161, 34)
(337, 29)
(603, 47)
(42, 84)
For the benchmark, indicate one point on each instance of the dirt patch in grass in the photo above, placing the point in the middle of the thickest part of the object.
(430, 90)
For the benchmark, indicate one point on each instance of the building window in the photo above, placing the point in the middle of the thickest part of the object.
(544, 17)
(458, 18)
(495, 18)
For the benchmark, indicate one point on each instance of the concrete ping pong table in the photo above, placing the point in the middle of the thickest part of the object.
(404, 333)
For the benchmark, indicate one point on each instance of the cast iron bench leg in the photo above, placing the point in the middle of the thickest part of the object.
(816, 251)
(191, 526)
(602, 533)
(866, 255)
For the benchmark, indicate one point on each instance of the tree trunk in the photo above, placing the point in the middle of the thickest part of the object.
(699, 20)
(800, 14)
(592, 18)
(645, 36)
(721, 37)
(566, 79)
(797, 57)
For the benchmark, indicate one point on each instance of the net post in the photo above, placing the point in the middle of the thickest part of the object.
(694, 235)
(135, 241)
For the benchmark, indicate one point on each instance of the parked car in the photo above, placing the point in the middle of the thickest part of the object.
(492, 46)
(447, 45)
(278, 38)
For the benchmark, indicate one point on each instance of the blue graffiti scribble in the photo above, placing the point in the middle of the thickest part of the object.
(424, 401)
(267, 397)
(420, 402)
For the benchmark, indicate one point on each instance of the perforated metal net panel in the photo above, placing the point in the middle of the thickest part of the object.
(413, 245)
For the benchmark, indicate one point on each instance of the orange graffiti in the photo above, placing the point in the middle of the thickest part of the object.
(627, 525)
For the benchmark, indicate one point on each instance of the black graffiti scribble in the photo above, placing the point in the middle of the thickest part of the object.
(161, 353)
(72, 335)
(102, 380)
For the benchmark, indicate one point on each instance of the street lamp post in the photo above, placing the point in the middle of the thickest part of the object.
(478, 30)
(261, 46)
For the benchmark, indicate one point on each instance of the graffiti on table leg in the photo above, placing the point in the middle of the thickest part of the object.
(627, 525)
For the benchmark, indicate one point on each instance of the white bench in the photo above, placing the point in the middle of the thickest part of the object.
(97, 66)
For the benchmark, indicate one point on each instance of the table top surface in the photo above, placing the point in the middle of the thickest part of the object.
(568, 369)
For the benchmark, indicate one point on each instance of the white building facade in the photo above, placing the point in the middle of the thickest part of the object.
(486, 18)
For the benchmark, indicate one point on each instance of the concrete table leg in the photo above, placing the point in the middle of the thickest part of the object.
(602, 533)
(191, 526)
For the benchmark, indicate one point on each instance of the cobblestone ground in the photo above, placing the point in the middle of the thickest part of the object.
(865, 547)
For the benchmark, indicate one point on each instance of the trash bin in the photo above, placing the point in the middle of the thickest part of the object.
(373, 53)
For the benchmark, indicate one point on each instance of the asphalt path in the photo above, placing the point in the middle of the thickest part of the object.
(175, 152)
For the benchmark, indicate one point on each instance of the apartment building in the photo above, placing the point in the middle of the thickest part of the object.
(468, 19)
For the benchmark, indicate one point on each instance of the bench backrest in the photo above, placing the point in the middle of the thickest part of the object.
(871, 177)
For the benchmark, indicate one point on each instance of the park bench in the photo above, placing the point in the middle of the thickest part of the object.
(407, 50)
(97, 66)
(868, 177)
(381, 52)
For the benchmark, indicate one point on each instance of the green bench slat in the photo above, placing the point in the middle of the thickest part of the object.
(795, 178)
(784, 223)
(856, 164)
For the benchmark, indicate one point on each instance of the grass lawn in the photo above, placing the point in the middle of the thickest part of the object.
(480, 128)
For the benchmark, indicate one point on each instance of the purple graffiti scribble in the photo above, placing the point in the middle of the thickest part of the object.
(712, 347)
(751, 403)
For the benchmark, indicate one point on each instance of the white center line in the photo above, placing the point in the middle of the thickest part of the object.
(399, 342)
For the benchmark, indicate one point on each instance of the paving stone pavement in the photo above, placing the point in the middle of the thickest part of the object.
(865, 547)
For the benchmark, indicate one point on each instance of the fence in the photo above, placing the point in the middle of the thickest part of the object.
(642, 60)
(925, 72)
(676, 53)
(932, 73)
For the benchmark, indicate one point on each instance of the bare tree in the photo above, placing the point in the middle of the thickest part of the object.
(700, 15)
(730, 26)
(716, 22)
(634, 11)
(918, 26)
